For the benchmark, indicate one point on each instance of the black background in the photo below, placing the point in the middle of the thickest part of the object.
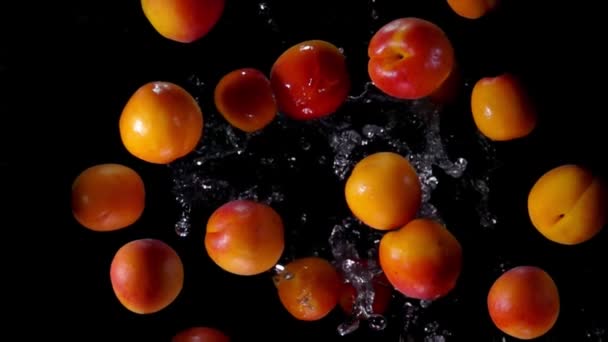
(76, 66)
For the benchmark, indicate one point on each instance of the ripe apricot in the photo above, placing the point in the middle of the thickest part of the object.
(409, 58)
(524, 302)
(472, 9)
(383, 191)
(245, 237)
(147, 275)
(501, 108)
(310, 80)
(383, 292)
(108, 197)
(309, 288)
(245, 99)
(568, 204)
(448, 90)
(160, 123)
(422, 260)
(200, 334)
(183, 21)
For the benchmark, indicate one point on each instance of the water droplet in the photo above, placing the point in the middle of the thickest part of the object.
(377, 322)
(182, 227)
(425, 303)
(348, 327)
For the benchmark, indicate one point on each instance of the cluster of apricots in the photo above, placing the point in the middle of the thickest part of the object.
(409, 58)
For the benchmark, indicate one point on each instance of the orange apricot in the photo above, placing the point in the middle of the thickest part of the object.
(183, 21)
(383, 292)
(383, 191)
(245, 237)
(108, 197)
(200, 334)
(472, 9)
(422, 260)
(568, 204)
(409, 58)
(309, 288)
(310, 80)
(245, 99)
(147, 275)
(501, 108)
(160, 123)
(524, 302)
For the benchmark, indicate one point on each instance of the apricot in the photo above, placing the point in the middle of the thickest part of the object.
(383, 191)
(422, 260)
(200, 334)
(524, 302)
(245, 99)
(147, 275)
(568, 204)
(245, 237)
(160, 123)
(108, 197)
(409, 58)
(448, 90)
(183, 21)
(310, 80)
(501, 108)
(472, 9)
(383, 292)
(309, 288)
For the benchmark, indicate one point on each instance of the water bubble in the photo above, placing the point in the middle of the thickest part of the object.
(425, 303)
(377, 322)
(182, 227)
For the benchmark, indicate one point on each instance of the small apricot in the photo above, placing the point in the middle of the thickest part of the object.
(245, 99)
(472, 9)
(183, 21)
(147, 275)
(422, 260)
(383, 191)
(383, 292)
(245, 237)
(568, 204)
(501, 109)
(200, 334)
(160, 123)
(309, 288)
(524, 302)
(310, 80)
(108, 197)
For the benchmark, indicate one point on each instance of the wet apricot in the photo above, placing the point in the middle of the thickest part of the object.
(568, 204)
(183, 21)
(383, 292)
(309, 288)
(422, 260)
(147, 275)
(501, 108)
(108, 197)
(160, 123)
(245, 237)
(200, 334)
(409, 58)
(472, 9)
(245, 99)
(383, 191)
(524, 302)
(310, 80)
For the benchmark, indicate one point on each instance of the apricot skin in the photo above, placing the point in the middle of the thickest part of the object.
(472, 9)
(310, 80)
(108, 197)
(383, 191)
(524, 302)
(422, 260)
(245, 237)
(312, 289)
(160, 123)
(245, 99)
(183, 21)
(568, 204)
(200, 334)
(409, 58)
(501, 109)
(383, 292)
(147, 275)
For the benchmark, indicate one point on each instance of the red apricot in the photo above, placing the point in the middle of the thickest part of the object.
(200, 334)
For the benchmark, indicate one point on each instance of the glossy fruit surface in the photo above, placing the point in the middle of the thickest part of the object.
(472, 9)
(200, 334)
